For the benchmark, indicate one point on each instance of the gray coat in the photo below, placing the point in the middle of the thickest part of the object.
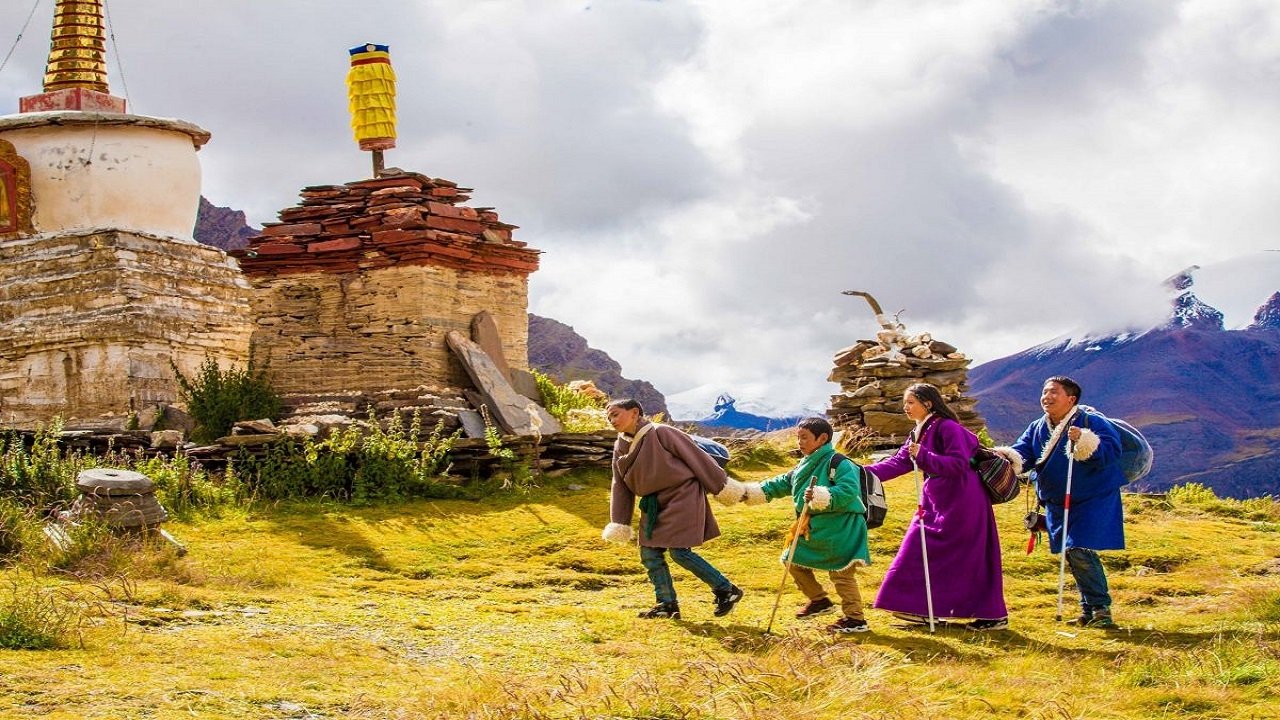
(667, 462)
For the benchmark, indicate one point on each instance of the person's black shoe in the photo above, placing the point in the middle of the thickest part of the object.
(726, 599)
(848, 625)
(815, 607)
(662, 610)
(984, 625)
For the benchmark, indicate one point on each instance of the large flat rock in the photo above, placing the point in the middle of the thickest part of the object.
(513, 412)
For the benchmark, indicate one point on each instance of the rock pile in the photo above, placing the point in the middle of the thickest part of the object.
(873, 374)
(119, 498)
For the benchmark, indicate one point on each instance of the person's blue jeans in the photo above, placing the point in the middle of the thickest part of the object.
(655, 562)
(1091, 579)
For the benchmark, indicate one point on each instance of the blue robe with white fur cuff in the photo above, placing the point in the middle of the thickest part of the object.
(1097, 516)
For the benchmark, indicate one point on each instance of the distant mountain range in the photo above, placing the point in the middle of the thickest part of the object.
(556, 350)
(222, 227)
(1207, 398)
(726, 417)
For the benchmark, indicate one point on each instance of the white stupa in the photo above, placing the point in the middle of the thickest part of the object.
(102, 286)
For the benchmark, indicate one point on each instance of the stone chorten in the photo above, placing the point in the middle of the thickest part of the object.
(101, 282)
(356, 288)
(873, 374)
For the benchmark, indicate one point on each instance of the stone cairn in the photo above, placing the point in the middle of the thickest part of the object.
(119, 498)
(873, 374)
(123, 500)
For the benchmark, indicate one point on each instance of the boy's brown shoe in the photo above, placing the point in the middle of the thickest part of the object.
(815, 607)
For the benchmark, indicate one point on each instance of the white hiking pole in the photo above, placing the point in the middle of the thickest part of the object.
(791, 553)
(924, 551)
(1066, 515)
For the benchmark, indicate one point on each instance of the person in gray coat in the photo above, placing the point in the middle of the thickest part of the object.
(672, 476)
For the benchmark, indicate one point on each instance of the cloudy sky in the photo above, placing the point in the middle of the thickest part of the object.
(704, 178)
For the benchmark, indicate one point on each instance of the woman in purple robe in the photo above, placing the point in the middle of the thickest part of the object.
(959, 524)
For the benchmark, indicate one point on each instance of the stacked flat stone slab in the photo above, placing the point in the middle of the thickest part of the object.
(873, 374)
(119, 498)
(91, 320)
(356, 287)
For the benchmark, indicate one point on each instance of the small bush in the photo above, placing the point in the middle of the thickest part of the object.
(1192, 494)
(41, 476)
(16, 527)
(757, 454)
(576, 411)
(360, 465)
(182, 486)
(217, 399)
(1202, 498)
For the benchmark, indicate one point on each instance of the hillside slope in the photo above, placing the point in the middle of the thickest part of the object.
(1207, 400)
(560, 352)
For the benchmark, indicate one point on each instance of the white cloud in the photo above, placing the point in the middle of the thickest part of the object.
(705, 177)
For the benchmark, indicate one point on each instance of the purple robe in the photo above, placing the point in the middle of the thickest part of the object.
(960, 532)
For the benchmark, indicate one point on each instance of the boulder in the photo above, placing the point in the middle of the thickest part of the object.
(513, 412)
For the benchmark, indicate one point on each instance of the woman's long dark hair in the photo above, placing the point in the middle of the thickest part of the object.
(930, 397)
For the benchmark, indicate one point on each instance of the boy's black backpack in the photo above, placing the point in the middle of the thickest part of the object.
(872, 492)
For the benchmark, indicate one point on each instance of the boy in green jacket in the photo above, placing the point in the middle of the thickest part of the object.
(836, 540)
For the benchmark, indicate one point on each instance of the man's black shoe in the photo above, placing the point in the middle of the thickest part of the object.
(726, 599)
(662, 610)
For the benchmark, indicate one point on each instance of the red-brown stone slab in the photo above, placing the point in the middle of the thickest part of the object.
(326, 246)
(292, 229)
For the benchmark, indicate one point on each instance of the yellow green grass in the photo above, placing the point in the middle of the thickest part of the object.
(514, 608)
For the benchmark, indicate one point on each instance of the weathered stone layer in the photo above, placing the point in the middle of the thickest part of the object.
(90, 322)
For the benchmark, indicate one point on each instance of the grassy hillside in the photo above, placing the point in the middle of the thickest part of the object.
(514, 608)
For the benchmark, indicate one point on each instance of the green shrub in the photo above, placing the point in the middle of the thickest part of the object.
(16, 528)
(985, 439)
(360, 465)
(576, 411)
(42, 476)
(217, 399)
(1202, 498)
(182, 486)
(757, 454)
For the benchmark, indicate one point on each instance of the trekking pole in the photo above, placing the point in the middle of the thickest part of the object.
(791, 553)
(1066, 515)
(924, 551)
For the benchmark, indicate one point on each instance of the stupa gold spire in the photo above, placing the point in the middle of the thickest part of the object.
(77, 54)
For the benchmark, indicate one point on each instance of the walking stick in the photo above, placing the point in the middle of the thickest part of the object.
(924, 551)
(1066, 515)
(791, 553)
